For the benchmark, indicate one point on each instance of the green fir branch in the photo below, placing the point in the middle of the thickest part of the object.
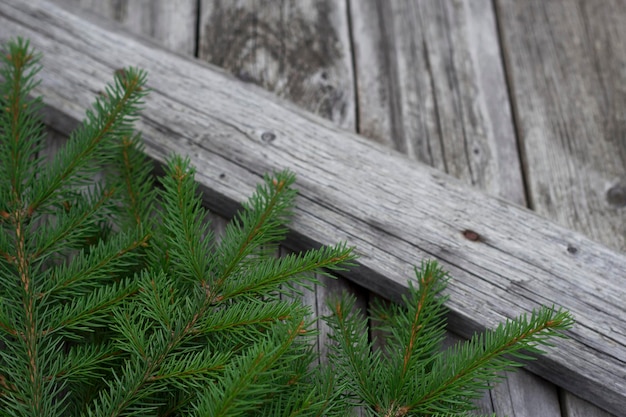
(192, 369)
(188, 237)
(466, 369)
(289, 269)
(247, 320)
(135, 182)
(19, 123)
(110, 119)
(358, 364)
(73, 224)
(258, 227)
(245, 383)
(415, 330)
(102, 263)
(415, 377)
(87, 312)
(39, 325)
(86, 362)
(117, 300)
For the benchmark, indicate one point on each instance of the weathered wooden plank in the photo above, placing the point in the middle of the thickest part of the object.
(566, 66)
(431, 85)
(299, 50)
(394, 210)
(566, 70)
(575, 407)
(430, 76)
(172, 23)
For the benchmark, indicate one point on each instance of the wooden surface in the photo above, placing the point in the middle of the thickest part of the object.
(567, 73)
(566, 64)
(450, 49)
(431, 85)
(399, 215)
(172, 23)
(299, 50)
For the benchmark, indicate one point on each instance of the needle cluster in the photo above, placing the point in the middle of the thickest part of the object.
(117, 300)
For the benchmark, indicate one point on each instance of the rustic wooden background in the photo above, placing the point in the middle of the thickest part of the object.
(523, 99)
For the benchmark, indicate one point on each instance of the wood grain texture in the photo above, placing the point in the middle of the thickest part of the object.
(300, 50)
(566, 63)
(430, 76)
(172, 23)
(430, 84)
(394, 210)
(575, 407)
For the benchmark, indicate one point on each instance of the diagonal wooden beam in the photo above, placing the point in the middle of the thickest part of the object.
(504, 259)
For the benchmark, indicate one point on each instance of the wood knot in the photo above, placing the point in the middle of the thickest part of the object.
(471, 235)
(616, 195)
(572, 249)
(268, 137)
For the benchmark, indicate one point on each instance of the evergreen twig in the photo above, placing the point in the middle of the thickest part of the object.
(117, 300)
(414, 376)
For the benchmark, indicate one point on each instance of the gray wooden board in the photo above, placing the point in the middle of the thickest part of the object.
(299, 50)
(431, 84)
(172, 23)
(567, 74)
(394, 210)
(575, 407)
(566, 65)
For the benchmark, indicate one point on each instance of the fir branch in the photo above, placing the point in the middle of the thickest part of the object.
(39, 325)
(244, 385)
(136, 180)
(102, 262)
(112, 119)
(258, 227)
(28, 396)
(85, 362)
(127, 392)
(272, 272)
(315, 394)
(414, 377)
(110, 307)
(416, 329)
(164, 325)
(352, 355)
(20, 124)
(188, 238)
(82, 217)
(191, 369)
(247, 320)
(88, 312)
(466, 369)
